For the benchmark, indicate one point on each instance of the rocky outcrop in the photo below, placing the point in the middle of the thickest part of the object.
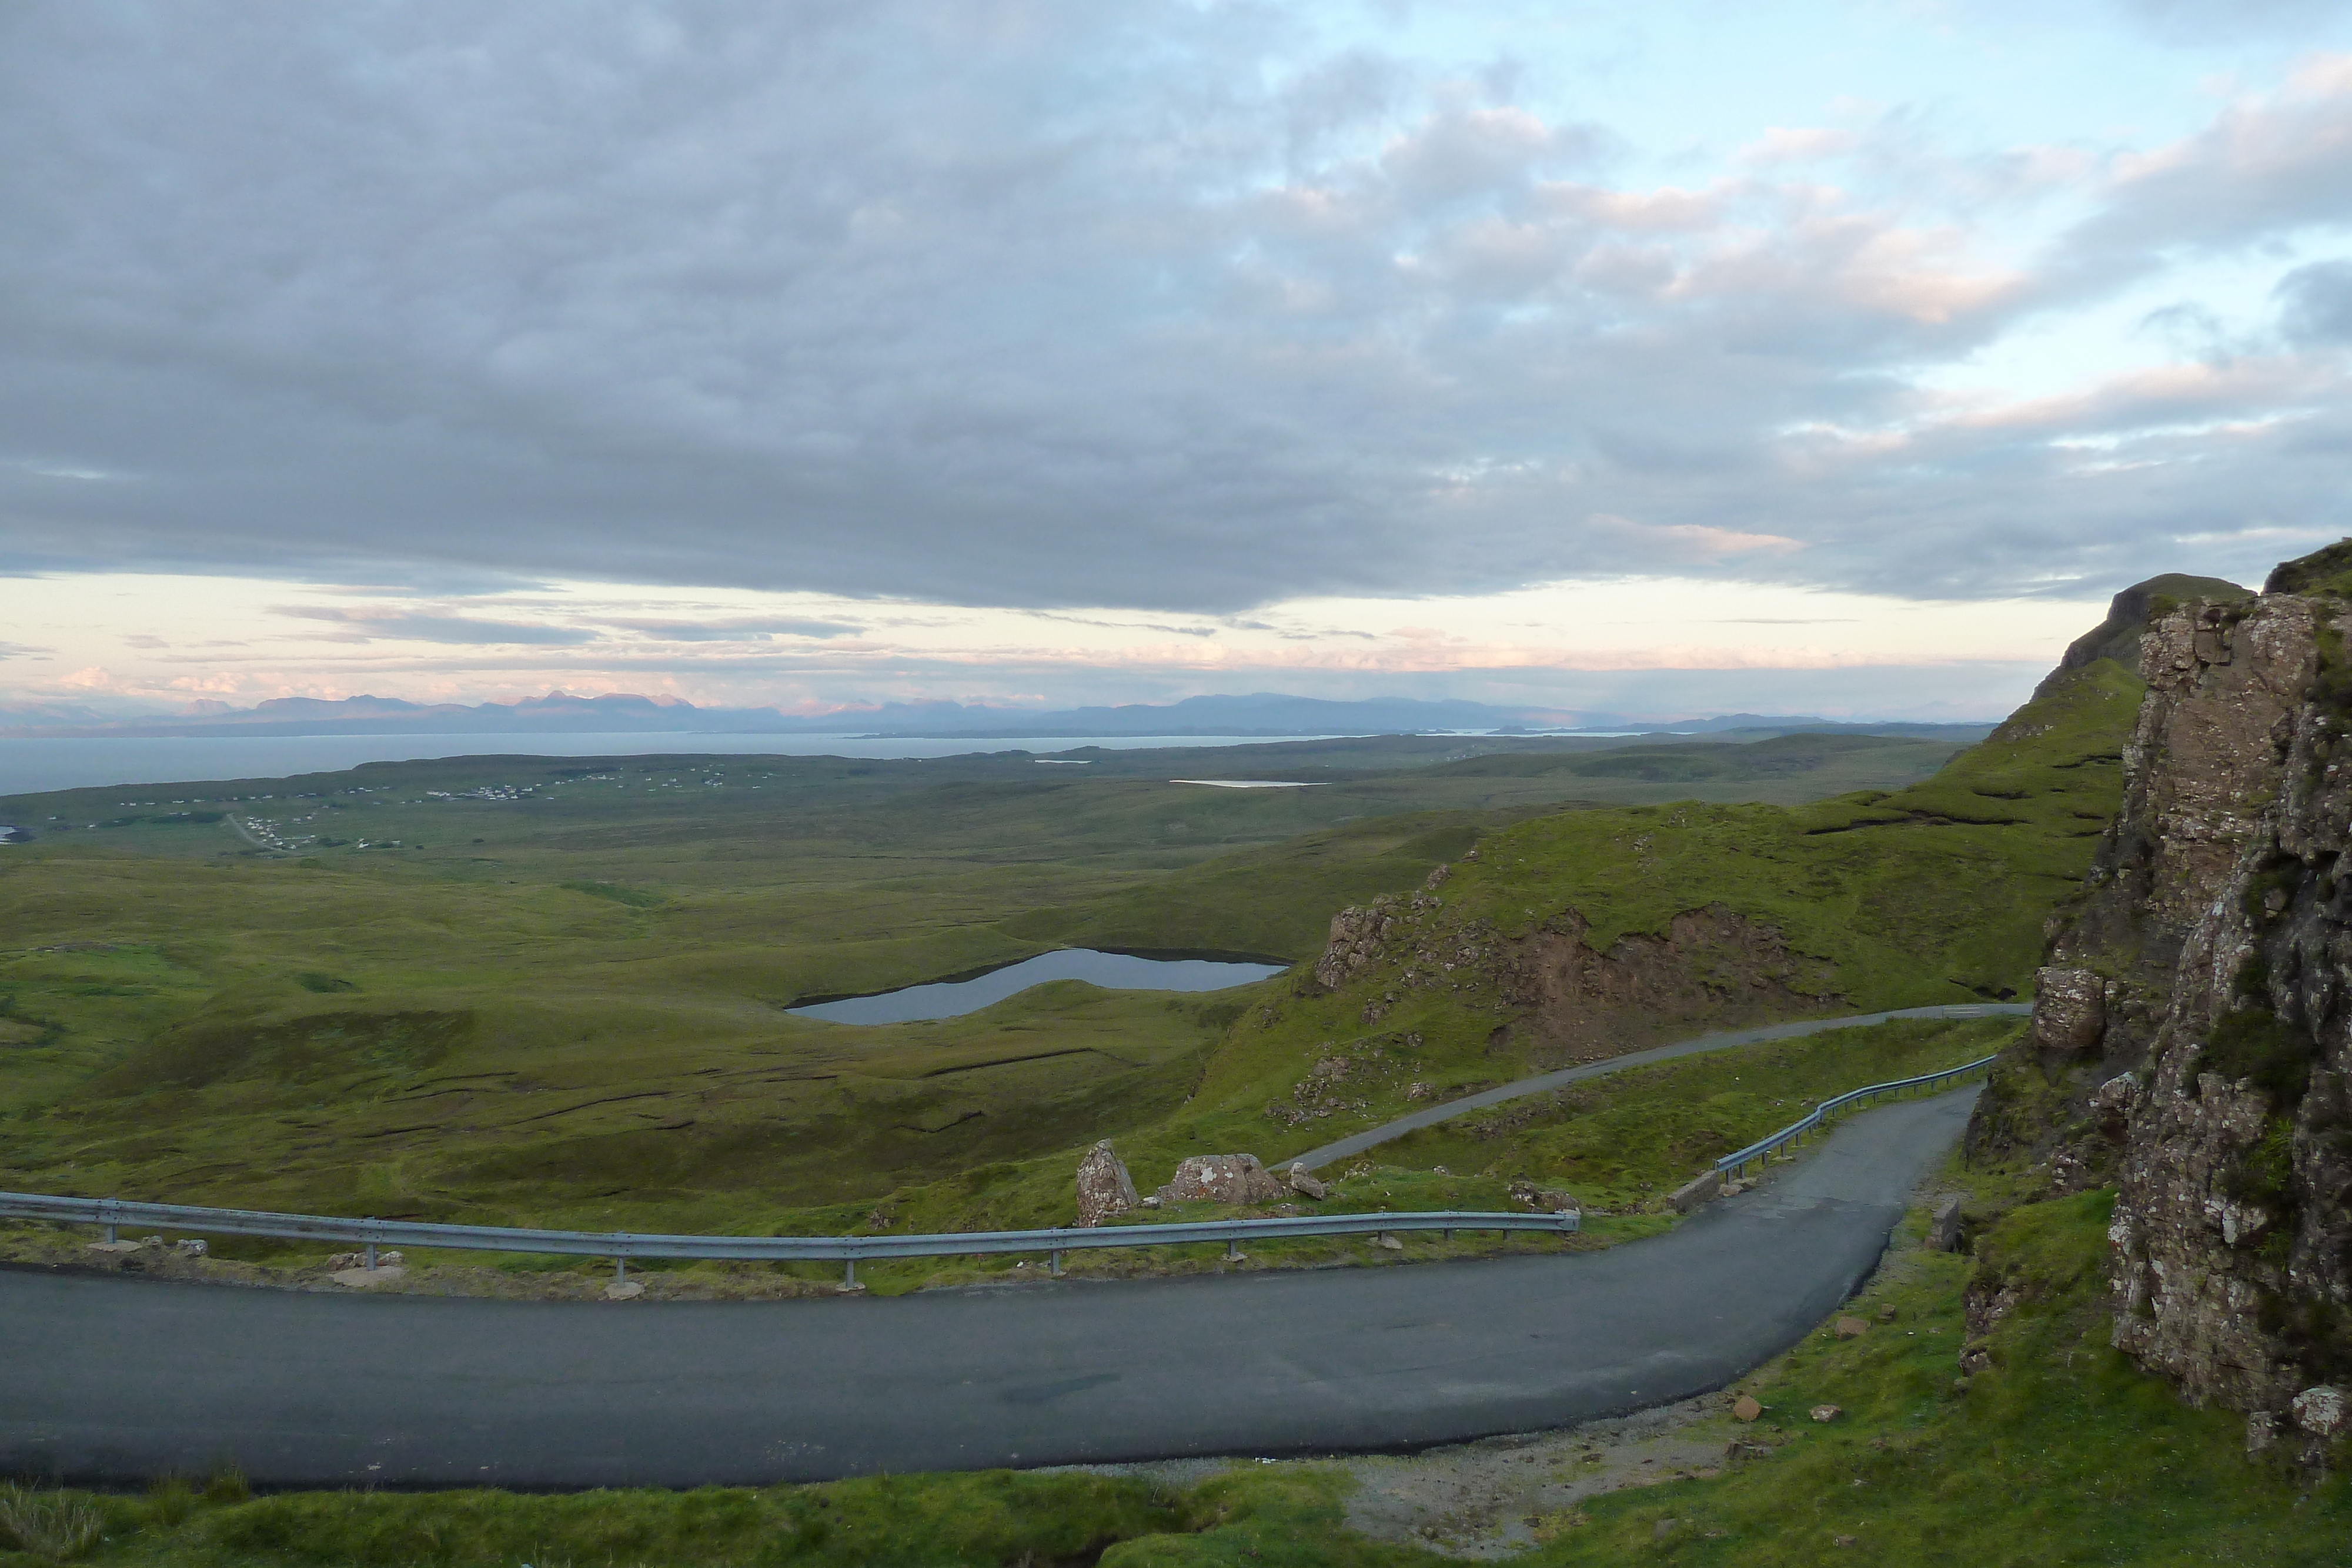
(1707, 967)
(2192, 1032)
(1358, 936)
(2129, 615)
(1344, 1078)
(1105, 1189)
(1568, 999)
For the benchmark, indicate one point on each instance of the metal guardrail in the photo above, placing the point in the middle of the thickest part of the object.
(621, 1246)
(1764, 1148)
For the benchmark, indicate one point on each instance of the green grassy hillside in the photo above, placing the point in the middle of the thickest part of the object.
(1934, 894)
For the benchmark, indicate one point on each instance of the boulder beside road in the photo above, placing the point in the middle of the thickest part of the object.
(1104, 1188)
(1221, 1178)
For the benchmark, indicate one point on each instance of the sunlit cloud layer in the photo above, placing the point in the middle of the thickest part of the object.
(812, 352)
(1579, 644)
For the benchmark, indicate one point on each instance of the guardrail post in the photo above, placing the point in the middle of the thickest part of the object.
(849, 1274)
(1053, 1262)
(371, 1243)
(1233, 1249)
(619, 1270)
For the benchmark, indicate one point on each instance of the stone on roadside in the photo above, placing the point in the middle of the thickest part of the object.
(625, 1290)
(1852, 1328)
(1746, 1408)
(1221, 1179)
(190, 1247)
(1105, 1188)
(1827, 1412)
(1303, 1183)
(1389, 1241)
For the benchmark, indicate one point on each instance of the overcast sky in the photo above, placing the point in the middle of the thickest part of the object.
(1695, 355)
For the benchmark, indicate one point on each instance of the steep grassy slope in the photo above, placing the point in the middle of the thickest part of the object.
(1578, 934)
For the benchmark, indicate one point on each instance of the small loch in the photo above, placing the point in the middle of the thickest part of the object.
(1112, 971)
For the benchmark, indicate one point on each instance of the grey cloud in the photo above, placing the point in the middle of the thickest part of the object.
(2316, 304)
(2258, 173)
(1056, 305)
(359, 625)
(1134, 625)
(2189, 328)
(736, 630)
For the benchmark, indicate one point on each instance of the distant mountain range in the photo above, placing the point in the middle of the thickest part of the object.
(1258, 714)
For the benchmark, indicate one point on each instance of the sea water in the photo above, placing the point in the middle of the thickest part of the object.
(28, 766)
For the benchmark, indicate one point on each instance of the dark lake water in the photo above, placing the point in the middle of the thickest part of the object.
(1112, 971)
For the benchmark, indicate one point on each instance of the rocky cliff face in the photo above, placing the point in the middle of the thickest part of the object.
(1567, 999)
(2192, 1032)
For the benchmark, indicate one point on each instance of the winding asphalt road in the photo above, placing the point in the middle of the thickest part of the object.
(108, 1379)
(1519, 1088)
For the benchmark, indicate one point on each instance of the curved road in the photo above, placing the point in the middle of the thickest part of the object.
(108, 1379)
(1519, 1088)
